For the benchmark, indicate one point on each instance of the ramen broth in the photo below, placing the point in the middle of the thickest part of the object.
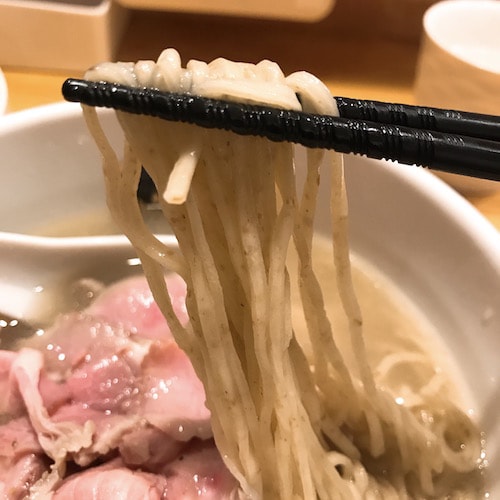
(392, 323)
(97, 222)
(91, 222)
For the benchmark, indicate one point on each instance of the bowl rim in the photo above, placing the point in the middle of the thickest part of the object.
(460, 211)
(33, 116)
(437, 16)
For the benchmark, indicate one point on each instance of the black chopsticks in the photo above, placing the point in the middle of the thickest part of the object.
(445, 140)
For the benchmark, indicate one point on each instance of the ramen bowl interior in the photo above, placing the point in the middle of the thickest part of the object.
(415, 230)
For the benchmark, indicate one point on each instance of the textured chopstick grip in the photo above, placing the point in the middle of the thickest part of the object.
(445, 152)
(439, 120)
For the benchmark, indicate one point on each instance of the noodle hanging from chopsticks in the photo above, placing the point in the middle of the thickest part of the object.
(288, 423)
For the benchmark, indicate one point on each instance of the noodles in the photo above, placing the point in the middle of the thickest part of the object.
(289, 423)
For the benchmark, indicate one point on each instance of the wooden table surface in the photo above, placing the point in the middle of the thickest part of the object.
(350, 52)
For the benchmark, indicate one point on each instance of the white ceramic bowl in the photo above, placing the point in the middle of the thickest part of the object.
(416, 230)
(459, 66)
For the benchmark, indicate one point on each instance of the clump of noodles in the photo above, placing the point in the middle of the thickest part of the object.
(287, 425)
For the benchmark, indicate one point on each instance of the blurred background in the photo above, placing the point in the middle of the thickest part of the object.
(360, 48)
(344, 42)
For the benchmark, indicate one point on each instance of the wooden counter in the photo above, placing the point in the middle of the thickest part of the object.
(351, 51)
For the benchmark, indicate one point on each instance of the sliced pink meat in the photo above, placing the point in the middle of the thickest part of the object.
(109, 381)
(57, 439)
(139, 443)
(18, 438)
(114, 394)
(18, 476)
(130, 303)
(22, 460)
(108, 430)
(11, 402)
(149, 448)
(199, 473)
(76, 338)
(164, 390)
(54, 393)
(112, 481)
(106, 384)
(173, 398)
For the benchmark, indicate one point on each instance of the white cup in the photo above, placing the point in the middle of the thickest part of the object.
(459, 66)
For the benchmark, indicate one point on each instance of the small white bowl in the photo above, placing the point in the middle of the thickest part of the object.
(459, 66)
(417, 231)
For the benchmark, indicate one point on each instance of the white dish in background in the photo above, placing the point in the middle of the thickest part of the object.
(67, 35)
(459, 66)
(4, 93)
(419, 233)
